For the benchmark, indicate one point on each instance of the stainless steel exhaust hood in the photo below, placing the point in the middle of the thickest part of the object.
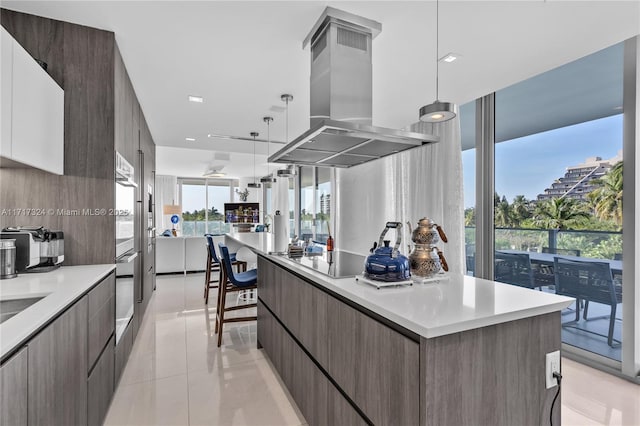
(341, 133)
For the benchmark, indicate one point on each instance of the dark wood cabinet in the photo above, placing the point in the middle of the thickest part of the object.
(125, 103)
(100, 385)
(148, 151)
(102, 313)
(361, 355)
(13, 390)
(318, 399)
(57, 382)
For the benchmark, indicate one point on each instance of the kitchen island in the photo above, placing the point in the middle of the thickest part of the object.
(462, 351)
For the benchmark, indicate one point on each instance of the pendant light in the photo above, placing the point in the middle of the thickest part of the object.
(290, 171)
(268, 178)
(254, 184)
(437, 111)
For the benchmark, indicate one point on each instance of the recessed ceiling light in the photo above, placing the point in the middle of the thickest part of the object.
(198, 99)
(190, 139)
(618, 108)
(450, 57)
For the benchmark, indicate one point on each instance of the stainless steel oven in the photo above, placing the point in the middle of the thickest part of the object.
(126, 253)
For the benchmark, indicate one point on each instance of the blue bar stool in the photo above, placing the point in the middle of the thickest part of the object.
(214, 265)
(232, 282)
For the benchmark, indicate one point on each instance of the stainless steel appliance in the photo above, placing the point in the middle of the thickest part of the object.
(341, 132)
(125, 243)
(37, 249)
(7, 259)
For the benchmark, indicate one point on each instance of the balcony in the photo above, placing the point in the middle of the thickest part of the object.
(590, 334)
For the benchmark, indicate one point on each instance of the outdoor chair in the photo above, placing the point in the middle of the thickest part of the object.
(514, 268)
(588, 281)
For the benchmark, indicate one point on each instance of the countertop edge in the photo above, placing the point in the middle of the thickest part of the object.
(17, 334)
(412, 326)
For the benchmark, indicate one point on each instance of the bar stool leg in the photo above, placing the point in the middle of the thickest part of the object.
(207, 277)
(222, 285)
(220, 313)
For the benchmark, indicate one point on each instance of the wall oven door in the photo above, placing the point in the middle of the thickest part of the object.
(125, 268)
(126, 252)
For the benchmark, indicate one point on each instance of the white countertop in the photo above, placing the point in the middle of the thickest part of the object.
(60, 287)
(430, 310)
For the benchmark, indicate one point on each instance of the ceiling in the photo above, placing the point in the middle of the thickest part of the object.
(241, 56)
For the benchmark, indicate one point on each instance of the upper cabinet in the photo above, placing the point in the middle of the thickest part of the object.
(32, 112)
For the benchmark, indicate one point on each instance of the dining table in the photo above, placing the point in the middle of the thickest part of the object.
(547, 259)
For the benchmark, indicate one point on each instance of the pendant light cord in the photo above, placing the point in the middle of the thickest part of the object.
(286, 132)
(437, 47)
(268, 120)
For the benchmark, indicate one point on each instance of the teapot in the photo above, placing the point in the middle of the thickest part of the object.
(386, 263)
(426, 234)
(426, 261)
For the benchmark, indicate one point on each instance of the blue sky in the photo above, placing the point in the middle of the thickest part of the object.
(528, 165)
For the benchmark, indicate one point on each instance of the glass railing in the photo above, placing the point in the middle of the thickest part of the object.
(199, 228)
(593, 322)
(590, 244)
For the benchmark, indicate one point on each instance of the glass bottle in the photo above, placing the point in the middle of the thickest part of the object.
(330, 243)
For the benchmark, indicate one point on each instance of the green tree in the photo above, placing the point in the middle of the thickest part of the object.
(607, 199)
(560, 213)
(470, 216)
(521, 209)
(503, 216)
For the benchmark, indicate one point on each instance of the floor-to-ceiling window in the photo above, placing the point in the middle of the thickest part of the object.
(292, 207)
(323, 203)
(468, 136)
(307, 202)
(316, 185)
(558, 193)
(202, 203)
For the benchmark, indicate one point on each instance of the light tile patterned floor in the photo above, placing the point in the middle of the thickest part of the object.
(177, 376)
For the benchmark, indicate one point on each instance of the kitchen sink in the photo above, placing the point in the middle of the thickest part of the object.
(11, 307)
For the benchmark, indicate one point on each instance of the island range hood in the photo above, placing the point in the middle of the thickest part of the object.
(341, 133)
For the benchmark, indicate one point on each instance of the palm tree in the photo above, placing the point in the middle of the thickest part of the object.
(521, 209)
(559, 213)
(607, 200)
(503, 216)
(470, 216)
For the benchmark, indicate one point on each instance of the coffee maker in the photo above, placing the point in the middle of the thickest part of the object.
(37, 249)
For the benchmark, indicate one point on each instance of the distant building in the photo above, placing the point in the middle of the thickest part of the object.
(577, 182)
(325, 204)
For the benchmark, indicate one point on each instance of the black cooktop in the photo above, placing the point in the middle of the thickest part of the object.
(336, 264)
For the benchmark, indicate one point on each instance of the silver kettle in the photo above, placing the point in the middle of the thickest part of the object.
(427, 232)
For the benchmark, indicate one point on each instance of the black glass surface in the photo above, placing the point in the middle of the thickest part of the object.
(336, 264)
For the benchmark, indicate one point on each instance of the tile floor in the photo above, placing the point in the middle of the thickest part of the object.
(177, 376)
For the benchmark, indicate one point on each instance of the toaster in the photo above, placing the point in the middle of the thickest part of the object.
(37, 249)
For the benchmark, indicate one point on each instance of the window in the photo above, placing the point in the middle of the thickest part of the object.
(202, 203)
(468, 136)
(316, 185)
(558, 191)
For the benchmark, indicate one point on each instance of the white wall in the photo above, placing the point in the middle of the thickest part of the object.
(421, 182)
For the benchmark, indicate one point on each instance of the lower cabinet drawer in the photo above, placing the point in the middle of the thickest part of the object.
(100, 385)
(102, 314)
(318, 399)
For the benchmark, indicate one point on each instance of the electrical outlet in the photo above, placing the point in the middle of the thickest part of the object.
(552, 366)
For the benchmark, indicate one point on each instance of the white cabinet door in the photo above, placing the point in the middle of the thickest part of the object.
(38, 115)
(6, 66)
